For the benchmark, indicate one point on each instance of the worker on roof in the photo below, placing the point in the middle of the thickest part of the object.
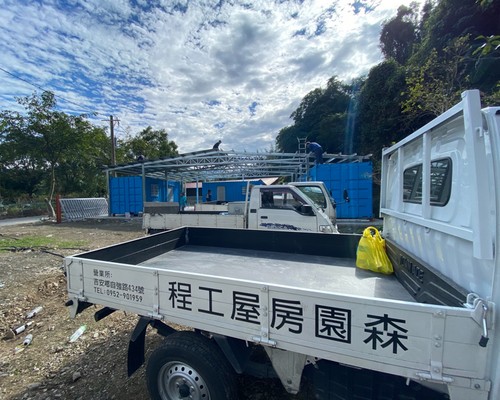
(216, 145)
(315, 148)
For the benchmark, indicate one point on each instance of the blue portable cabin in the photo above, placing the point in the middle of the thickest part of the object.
(126, 193)
(356, 178)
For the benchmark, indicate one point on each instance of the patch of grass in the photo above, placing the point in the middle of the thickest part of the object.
(9, 243)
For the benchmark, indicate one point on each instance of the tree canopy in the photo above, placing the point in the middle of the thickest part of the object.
(399, 34)
(321, 117)
(149, 143)
(45, 151)
(430, 57)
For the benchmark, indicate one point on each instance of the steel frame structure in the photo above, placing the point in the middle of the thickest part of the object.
(213, 165)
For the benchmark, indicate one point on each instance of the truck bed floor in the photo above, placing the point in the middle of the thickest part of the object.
(320, 273)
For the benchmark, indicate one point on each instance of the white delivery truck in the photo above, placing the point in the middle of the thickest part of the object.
(296, 207)
(315, 190)
(294, 304)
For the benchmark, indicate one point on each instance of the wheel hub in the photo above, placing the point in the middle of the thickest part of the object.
(178, 381)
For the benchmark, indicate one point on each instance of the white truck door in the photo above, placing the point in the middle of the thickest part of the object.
(281, 208)
(320, 196)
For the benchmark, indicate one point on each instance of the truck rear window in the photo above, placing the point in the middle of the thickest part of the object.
(440, 183)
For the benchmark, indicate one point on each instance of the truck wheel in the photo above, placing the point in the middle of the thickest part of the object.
(190, 366)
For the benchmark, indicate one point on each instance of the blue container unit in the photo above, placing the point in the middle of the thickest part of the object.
(228, 190)
(125, 193)
(356, 178)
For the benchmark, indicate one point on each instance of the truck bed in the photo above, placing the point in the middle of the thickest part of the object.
(321, 273)
(296, 291)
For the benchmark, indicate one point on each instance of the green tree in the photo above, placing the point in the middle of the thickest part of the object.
(486, 72)
(399, 34)
(19, 173)
(287, 139)
(380, 121)
(82, 175)
(425, 14)
(149, 143)
(437, 84)
(321, 116)
(446, 61)
(56, 151)
(451, 19)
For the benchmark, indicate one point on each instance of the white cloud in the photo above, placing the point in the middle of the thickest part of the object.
(235, 71)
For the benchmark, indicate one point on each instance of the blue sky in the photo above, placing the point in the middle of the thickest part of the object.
(202, 70)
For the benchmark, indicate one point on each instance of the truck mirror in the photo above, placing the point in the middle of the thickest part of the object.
(346, 196)
(306, 209)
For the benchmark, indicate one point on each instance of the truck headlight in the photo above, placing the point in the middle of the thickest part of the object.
(325, 229)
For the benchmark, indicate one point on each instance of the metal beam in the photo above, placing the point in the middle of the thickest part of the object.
(214, 165)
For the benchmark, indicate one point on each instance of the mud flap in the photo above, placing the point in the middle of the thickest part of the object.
(135, 357)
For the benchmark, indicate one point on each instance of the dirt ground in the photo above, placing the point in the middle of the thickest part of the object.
(94, 366)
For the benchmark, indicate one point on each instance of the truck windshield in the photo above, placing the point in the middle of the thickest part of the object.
(315, 194)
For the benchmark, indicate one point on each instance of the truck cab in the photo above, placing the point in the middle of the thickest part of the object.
(321, 197)
(286, 207)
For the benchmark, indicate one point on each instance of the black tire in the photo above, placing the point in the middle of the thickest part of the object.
(190, 366)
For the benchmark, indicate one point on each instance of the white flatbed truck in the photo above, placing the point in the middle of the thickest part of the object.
(430, 331)
(301, 206)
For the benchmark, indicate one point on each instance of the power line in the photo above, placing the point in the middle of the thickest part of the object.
(122, 129)
(41, 88)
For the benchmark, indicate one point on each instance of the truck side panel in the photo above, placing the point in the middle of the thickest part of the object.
(411, 340)
(171, 221)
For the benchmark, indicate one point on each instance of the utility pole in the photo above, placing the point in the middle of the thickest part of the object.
(112, 132)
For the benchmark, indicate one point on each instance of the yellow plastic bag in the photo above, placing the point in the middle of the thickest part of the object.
(371, 252)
